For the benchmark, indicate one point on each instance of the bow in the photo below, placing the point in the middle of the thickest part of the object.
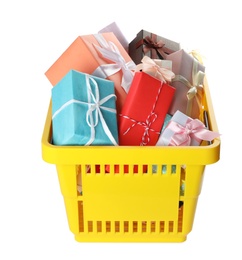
(155, 47)
(151, 67)
(193, 129)
(110, 51)
(145, 124)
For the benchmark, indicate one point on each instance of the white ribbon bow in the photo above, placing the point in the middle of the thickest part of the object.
(110, 51)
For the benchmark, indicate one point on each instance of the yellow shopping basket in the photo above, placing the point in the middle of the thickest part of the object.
(131, 204)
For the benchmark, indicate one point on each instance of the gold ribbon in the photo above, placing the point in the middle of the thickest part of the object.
(195, 88)
(195, 54)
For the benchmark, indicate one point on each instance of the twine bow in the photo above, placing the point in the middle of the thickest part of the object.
(145, 124)
(110, 51)
(94, 113)
(195, 87)
(150, 66)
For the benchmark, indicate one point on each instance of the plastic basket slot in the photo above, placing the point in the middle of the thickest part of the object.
(80, 214)
(162, 226)
(99, 226)
(180, 219)
(90, 226)
(171, 225)
(108, 226)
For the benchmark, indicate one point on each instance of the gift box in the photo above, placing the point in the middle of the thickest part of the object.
(166, 122)
(100, 55)
(113, 27)
(188, 81)
(160, 69)
(152, 45)
(185, 131)
(84, 111)
(144, 110)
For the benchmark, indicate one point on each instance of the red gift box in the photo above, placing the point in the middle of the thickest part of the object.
(144, 110)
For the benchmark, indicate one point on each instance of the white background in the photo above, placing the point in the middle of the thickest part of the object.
(33, 34)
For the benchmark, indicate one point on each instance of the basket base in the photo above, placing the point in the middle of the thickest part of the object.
(131, 238)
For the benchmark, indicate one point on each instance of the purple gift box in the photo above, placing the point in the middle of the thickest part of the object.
(113, 27)
(188, 83)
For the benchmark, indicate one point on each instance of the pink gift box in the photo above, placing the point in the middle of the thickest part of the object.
(100, 55)
(183, 131)
(188, 83)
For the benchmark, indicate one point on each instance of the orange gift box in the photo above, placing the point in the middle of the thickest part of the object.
(144, 110)
(95, 54)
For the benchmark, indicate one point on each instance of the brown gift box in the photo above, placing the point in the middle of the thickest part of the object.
(152, 45)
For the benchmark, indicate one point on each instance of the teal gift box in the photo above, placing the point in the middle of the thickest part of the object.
(84, 111)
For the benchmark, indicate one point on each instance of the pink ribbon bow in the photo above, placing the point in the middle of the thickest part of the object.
(151, 67)
(194, 129)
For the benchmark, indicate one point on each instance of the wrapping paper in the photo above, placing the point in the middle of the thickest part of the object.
(144, 111)
(185, 131)
(188, 81)
(152, 45)
(84, 111)
(101, 55)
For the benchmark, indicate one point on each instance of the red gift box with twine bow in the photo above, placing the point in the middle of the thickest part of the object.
(144, 110)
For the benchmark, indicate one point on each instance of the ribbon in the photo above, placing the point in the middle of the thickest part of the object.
(195, 87)
(195, 54)
(93, 114)
(111, 52)
(151, 118)
(194, 129)
(150, 66)
(156, 48)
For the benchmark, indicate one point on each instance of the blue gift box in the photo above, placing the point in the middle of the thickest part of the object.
(167, 120)
(84, 111)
